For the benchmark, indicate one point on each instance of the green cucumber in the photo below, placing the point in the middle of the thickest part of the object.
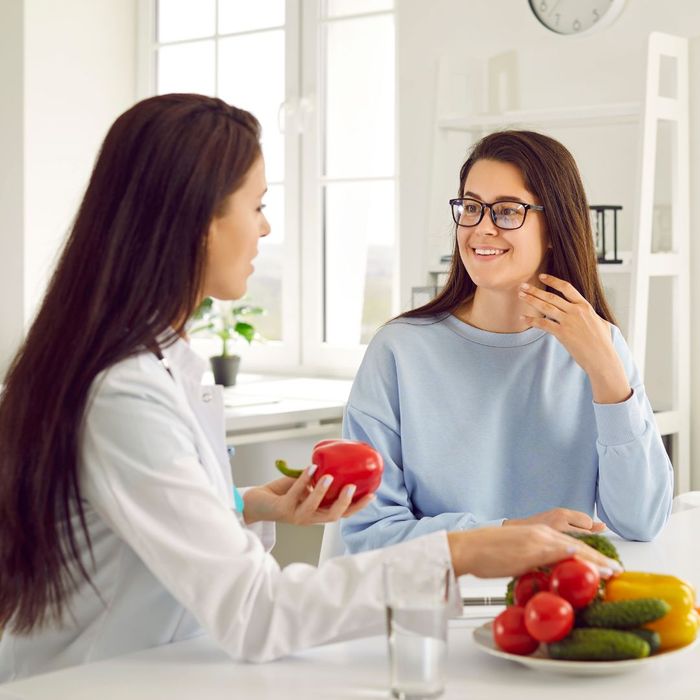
(589, 644)
(650, 637)
(623, 614)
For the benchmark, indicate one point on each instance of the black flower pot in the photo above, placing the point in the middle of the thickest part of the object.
(225, 368)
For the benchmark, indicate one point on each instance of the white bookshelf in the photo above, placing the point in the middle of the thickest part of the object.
(641, 265)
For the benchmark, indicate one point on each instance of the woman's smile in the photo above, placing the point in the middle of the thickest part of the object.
(486, 253)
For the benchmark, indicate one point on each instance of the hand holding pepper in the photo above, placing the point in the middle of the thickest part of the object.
(347, 462)
(341, 481)
(297, 502)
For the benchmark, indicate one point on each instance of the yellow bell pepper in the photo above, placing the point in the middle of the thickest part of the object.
(677, 628)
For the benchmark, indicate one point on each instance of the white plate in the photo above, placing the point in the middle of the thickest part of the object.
(541, 662)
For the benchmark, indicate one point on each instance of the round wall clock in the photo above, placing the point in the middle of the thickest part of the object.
(576, 17)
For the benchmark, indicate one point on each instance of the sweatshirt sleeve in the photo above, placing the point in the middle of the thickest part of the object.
(373, 416)
(143, 476)
(635, 475)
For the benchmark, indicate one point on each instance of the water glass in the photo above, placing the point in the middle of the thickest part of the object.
(416, 595)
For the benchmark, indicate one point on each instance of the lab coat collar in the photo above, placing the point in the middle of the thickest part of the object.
(181, 358)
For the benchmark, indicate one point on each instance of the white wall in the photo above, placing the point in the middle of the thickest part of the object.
(68, 70)
(11, 179)
(553, 71)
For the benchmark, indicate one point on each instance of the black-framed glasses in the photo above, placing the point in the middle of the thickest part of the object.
(506, 215)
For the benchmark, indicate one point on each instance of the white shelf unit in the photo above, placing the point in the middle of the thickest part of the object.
(623, 113)
(673, 420)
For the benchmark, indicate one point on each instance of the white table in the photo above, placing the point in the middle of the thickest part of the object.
(358, 670)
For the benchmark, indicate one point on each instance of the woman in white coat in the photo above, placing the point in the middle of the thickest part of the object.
(119, 526)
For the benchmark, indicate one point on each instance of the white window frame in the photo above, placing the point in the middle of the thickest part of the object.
(316, 354)
(302, 350)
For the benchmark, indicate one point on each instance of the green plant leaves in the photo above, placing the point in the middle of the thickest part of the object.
(245, 330)
(223, 320)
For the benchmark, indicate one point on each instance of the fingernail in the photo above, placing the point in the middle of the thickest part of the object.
(326, 481)
(350, 490)
(310, 470)
(615, 566)
(571, 549)
(524, 285)
(543, 276)
(605, 571)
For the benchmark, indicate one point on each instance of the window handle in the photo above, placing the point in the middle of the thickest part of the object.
(295, 114)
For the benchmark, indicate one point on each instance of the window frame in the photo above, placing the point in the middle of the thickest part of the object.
(302, 349)
(317, 354)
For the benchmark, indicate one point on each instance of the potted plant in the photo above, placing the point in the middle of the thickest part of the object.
(226, 321)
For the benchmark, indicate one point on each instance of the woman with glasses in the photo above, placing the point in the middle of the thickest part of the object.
(511, 397)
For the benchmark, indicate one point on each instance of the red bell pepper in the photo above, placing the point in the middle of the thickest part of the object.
(348, 462)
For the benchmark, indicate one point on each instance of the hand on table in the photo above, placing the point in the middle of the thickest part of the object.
(562, 519)
(297, 502)
(577, 326)
(492, 552)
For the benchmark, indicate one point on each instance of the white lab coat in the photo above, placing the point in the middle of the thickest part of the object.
(172, 559)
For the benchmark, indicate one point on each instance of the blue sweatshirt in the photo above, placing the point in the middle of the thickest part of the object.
(475, 427)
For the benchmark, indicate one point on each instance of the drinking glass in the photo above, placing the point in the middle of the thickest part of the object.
(416, 595)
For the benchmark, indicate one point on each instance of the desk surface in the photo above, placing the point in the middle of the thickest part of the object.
(263, 402)
(358, 669)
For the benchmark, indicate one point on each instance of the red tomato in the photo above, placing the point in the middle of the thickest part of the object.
(576, 581)
(510, 634)
(548, 617)
(528, 584)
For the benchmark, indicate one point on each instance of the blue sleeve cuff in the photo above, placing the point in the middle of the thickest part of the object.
(619, 423)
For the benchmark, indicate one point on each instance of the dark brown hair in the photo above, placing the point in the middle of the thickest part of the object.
(551, 174)
(131, 272)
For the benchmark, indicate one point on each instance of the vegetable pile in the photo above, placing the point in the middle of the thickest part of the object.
(579, 617)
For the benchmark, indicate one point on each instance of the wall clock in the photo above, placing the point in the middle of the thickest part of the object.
(576, 17)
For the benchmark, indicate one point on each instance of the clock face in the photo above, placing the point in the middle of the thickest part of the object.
(576, 16)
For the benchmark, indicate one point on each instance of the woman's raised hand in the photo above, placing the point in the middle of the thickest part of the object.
(577, 326)
(562, 519)
(297, 502)
(492, 552)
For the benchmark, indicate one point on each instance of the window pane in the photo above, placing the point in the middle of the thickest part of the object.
(359, 259)
(185, 19)
(359, 97)
(244, 15)
(186, 68)
(340, 8)
(265, 284)
(259, 90)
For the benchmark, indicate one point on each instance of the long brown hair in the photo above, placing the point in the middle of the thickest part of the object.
(551, 174)
(130, 273)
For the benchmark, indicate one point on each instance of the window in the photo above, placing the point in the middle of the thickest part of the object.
(319, 75)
